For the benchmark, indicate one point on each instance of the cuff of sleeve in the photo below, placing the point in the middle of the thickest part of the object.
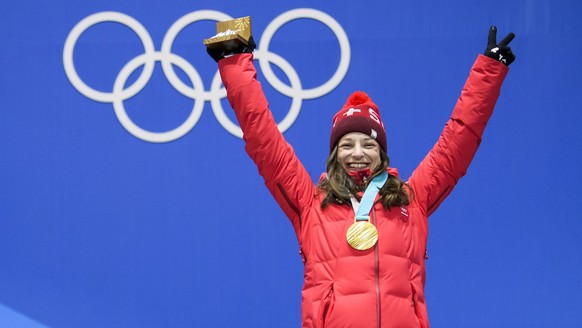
(237, 70)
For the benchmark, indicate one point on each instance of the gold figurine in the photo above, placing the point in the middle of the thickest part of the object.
(231, 34)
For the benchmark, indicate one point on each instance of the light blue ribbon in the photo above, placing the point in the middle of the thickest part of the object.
(363, 213)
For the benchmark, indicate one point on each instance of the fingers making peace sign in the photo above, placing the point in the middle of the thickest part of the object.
(499, 51)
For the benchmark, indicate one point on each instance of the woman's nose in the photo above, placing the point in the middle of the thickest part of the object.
(358, 151)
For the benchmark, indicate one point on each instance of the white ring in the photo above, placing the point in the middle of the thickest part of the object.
(339, 32)
(168, 41)
(137, 131)
(287, 121)
(197, 92)
(82, 26)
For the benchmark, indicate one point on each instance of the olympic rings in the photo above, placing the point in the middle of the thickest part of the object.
(197, 92)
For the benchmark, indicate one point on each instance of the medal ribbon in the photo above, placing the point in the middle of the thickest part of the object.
(365, 206)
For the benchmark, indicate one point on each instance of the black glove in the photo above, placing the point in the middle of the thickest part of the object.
(218, 54)
(499, 51)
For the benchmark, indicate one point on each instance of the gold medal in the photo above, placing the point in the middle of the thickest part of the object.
(362, 235)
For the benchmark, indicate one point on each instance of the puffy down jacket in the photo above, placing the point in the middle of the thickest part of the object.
(383, 286)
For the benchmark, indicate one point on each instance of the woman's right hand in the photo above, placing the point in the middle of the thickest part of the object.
(218, 54)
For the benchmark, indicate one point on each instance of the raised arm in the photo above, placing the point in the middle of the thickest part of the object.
(282, 171)
(449, 159)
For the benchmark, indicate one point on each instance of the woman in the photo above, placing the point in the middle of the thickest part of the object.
(362, 231)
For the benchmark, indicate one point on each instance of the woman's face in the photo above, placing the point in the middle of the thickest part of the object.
(358, 151)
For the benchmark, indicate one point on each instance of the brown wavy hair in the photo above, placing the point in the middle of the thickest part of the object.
(338, 185)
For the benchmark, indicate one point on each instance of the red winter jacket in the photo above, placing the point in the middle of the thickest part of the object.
(383, 286)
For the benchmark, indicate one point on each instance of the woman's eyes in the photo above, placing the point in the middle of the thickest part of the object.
(366, 146)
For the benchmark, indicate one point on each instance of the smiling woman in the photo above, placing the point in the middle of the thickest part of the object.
(358, 152)
(362, 231)
(359, 156)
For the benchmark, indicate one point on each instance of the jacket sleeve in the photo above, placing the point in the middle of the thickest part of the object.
(433, 180)
(284, 175)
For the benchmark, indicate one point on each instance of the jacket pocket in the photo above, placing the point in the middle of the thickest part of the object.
(415, 306)
(326, 307)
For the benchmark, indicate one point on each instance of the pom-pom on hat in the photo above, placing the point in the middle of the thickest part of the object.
(359, 114)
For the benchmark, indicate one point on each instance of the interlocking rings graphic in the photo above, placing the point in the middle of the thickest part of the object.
(197, 92)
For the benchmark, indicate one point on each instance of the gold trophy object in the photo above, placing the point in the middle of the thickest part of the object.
(231, 34)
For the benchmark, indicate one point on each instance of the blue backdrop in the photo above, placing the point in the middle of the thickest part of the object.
(126, 198)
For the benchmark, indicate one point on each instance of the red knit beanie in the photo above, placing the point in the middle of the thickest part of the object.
(359, 114)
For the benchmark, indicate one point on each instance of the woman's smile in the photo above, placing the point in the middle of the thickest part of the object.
(358, 151)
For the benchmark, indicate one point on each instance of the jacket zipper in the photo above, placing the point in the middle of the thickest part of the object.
(377, 276)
